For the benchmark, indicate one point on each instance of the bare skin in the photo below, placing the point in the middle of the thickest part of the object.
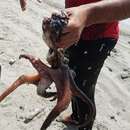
(86, 15)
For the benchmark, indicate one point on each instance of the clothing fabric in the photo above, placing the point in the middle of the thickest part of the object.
(87, 58)
(96, 31)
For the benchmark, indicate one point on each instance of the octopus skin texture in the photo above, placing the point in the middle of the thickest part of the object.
(58, 73)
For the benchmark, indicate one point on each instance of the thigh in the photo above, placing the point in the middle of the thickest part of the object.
(86, 59)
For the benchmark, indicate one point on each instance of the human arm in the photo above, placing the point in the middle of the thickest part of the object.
(86, 15)
(107, 11)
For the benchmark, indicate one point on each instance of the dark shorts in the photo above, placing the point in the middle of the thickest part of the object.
(86, 59)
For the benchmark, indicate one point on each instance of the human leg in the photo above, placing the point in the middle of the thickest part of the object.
(87, 59)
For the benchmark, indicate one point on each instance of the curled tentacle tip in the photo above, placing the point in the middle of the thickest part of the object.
(24, 8)
(23, 4)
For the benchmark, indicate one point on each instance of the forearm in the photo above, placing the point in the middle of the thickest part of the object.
(106, 11)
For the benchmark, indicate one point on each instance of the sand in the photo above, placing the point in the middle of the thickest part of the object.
(20, 32)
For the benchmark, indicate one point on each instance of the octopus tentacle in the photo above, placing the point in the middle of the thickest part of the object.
(33, 79)
(37, 63)
(44, 72)
(77, 92)
(61, 105)
(64, 94)
(23, 4)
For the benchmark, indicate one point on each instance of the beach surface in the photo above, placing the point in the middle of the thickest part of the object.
(21, 33)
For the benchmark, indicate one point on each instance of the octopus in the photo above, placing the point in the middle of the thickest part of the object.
(58, 72)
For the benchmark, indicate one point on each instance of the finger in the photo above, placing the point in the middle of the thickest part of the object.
(68, 12)
(69, 28)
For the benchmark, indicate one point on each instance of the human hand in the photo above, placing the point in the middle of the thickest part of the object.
(72, 32)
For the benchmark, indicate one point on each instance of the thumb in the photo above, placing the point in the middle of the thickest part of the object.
(68, 11)
(69, 27)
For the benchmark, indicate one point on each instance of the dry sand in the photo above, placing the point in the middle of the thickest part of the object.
(20, 32)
